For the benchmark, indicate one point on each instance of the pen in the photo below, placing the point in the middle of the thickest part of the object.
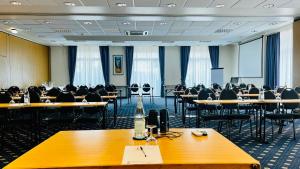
(143, 151)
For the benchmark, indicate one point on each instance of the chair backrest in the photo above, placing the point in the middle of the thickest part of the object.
(266, 87)
(71, 88)
(289, 93)
(14, 89)
(102, 92)
(243, 86)
(55, 91)
(82, 92)
(5, 97)
(280, 89)
(134, 87)
(270, 96)
(42, 88)
(146, 87)
(204, 94)
(36, 89)
(99, 87)
(254, 90)
(113, 87)
(65, 97)
(228, 94)
(228, 86)
(297, 89)
(93, 97)
(236, 89)
(194, 91)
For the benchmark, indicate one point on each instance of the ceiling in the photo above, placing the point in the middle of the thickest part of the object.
(169, 22)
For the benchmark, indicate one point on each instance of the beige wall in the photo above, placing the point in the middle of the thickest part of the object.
(22, 62)
(59, 65)
(296, 54)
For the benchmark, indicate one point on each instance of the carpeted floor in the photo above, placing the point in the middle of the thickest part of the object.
(282, 152)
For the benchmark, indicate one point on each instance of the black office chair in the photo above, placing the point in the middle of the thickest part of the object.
(232, 112)
(280, 89)
(237, 89)
(254, 90)
(147, 91)
(109, 88)
(66, 114)
(134, 90)
(99, 87)
(36, 89)
(90, 115)
(42, 88)
(216, 86)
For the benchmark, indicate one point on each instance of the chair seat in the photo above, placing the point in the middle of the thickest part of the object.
(213, 117)
(279, 116)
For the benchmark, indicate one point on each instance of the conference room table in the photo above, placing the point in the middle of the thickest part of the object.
(37, 119)
(260, 127)
(104, 149)
(109, 97)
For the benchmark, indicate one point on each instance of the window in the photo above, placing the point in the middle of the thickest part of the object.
(286, 54)
(199, 67)
(145, 67)
(88, 66)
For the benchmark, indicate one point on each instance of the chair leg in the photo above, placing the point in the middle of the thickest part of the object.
(272, 129)
(294, 129)
(228, 129)
(250, 121)
(241, 123)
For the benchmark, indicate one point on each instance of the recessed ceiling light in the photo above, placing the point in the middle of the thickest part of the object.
(269, 6)
(126, 23)
(70, 4)
(163, 23)
(171, 5)
(220, 5)
(87, 23)
(16, 3)
(14, 30)
(121, 4)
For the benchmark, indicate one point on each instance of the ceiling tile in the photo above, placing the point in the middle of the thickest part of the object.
(248, 4)
(146, 3)
(198, 3)
(277, 3)
(102, 3)
(291, 4)
(179, 3)
(227, 3)
(112, 3)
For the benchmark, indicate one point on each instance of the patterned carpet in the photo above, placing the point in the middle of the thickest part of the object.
(282, 152)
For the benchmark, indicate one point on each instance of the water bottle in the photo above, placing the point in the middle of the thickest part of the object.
(26, 97)
(139, 120)
(262, 94)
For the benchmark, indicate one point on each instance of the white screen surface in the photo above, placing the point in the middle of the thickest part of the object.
(250, 59)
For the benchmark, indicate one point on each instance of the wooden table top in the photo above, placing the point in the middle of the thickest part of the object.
(104, 149)
(54, 104)
(76, 97)
(247, 101)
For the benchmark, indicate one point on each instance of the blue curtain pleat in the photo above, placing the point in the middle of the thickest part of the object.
(72, 52)
(214, 56)
(162, 68)
(104, 54)
(184, 60)
(272, 60)
(129, 61)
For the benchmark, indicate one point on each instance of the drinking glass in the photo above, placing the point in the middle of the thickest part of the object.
(209, 96)
(151, 137)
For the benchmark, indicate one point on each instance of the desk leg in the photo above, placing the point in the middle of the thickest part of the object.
(183, 112)
(115, 112)
(175, 104)
(104, 110)
(120, 98)
(197, 116)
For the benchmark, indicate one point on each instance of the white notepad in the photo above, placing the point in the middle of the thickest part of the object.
(134, 155)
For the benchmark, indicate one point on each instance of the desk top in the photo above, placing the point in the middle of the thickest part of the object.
(76, 97)
(248, 101)
(102, 148)
(54, 104)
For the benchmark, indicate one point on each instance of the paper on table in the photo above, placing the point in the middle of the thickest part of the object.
(134, 155)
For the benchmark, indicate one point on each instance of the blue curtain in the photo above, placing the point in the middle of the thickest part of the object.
(184, 60)
(72, 52)
(129, 60)
(104, 53)
(162, 69)
(214, 56)
(272, 60)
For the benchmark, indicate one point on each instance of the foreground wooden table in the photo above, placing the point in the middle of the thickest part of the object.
(104, 149)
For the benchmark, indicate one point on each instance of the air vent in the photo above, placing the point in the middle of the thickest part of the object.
(223, 30)
(136, 33)
(63, 30)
